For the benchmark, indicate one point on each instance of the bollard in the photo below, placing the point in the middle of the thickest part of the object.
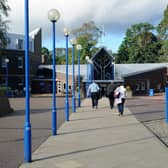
(166, 104)
(151, 92)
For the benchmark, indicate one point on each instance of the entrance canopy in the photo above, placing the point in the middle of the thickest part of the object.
(103, 67)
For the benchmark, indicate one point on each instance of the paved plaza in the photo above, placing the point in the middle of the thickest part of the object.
(96, 138)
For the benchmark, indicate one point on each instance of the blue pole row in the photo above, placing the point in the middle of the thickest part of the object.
(166, 104)
(66, 98)
(54, 112)
(27, 125)
(79, 99)
(73, 80)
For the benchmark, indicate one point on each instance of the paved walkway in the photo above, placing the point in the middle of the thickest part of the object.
(99, 138)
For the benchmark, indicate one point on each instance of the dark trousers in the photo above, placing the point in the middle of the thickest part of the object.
(94, 97)
(121, 107)
(111, 101)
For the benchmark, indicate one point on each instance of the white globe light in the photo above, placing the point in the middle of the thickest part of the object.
(73, 41)
(66, 32)
(53, 15)
(6, 60)
(79, 47)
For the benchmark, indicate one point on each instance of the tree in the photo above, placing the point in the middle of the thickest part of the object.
(162, 30)
(45, 55)
(4, 8)
(87, 35)
(140, 45)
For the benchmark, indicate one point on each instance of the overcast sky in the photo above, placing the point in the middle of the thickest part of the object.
(114, 15)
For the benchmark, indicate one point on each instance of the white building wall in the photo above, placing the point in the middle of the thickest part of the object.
(16, 42)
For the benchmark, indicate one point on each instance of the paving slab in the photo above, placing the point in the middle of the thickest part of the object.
(98, 138)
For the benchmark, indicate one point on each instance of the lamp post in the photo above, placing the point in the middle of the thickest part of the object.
(6, 77)
(90, 75)
(79, 47)
(66, 33)
(166, 104)
(73, 42)
(53, 16)
(87, 72)
(113, 68)
(27, 125)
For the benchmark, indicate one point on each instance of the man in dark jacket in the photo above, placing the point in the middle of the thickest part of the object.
(110, 94)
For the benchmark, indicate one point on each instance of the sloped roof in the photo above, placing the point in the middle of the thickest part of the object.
(33, 33)
(121, 70)
(133, 69)
(62, 68)
(102, 50)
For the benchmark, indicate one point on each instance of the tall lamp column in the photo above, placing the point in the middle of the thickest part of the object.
(6, 77)
(87, 82)
(73, 42)
(27, 125)
(53, 16)
(66, 33)
(79, 47)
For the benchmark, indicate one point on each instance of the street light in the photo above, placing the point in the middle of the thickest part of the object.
(79, 47)
(66, 33)
(27, 125)
(6, 78)
(53, 16)
(73, 42)
(89, 71)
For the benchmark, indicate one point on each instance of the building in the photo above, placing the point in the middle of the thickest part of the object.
(14, 70)
(102, 68)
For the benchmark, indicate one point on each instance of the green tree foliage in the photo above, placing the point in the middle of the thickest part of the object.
(4, 9)
(162, 30)
(46, 55)
(87, 35)
(140, 45)
(45, 51)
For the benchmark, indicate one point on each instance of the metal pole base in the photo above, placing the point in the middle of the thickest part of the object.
(73, 104)
(54, 124)
(79, 101)
(27, 143)
(67, 110)
(166, 105)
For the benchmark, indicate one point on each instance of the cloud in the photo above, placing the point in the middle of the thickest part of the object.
(115, 15)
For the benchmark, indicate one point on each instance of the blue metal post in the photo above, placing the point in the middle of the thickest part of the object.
(166, 104)
(87, 72)
(6, 79)
(92, 71)
(73, 80)
(27, 126)
(79, 101)
(112, 77)
(54, 111)
(66, 99)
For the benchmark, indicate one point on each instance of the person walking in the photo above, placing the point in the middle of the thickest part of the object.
(110, 94)
(93, 90)
(120, 95)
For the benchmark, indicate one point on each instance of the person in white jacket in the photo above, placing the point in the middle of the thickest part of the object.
(120, 95)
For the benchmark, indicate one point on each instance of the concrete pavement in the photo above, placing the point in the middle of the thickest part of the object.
(99, 138)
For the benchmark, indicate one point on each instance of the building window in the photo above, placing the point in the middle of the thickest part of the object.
(143, 86)
(30, 45)
(19, 44)
(3, 63)
(137, 87)
(20, 62)
(3, 81)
